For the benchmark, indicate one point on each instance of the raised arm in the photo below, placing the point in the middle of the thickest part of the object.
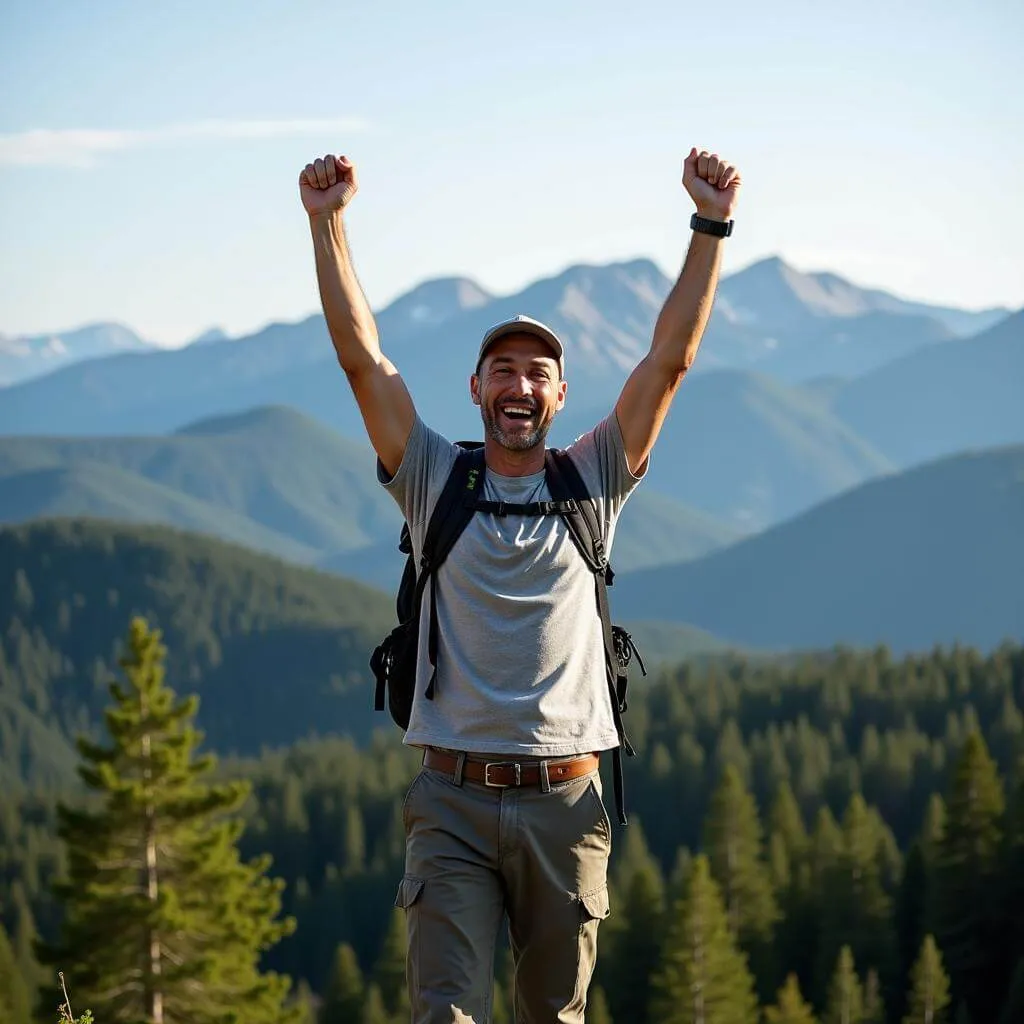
(714, 185)
(327, 187)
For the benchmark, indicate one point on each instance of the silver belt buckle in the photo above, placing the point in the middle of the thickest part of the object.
(514, 765)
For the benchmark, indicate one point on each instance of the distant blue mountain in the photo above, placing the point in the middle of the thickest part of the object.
(25, 356)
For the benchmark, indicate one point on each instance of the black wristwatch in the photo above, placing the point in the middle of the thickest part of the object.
(718, 228)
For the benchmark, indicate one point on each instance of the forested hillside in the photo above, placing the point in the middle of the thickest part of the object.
(869, 801)
(274, 650)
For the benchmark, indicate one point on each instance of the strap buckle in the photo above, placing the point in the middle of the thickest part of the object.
(514, 765)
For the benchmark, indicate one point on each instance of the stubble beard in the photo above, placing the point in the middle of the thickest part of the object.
(513, 442)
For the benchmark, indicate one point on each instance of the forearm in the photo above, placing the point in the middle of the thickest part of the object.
(684, 316)
(349, 317)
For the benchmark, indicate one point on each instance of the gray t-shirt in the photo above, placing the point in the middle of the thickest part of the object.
(520, 660)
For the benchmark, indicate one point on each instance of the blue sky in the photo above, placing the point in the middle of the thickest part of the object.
(149, 152)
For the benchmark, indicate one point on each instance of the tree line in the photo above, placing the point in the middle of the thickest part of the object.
(828, 837)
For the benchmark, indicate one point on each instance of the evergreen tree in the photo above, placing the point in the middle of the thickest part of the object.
(845, 998)
(632, 943)
(374, 1010)
(967, 870)
(855, 907)
(733, 840)
(389, 970)
(789, 862)
(790, 1007)
(14, 997)
(162, 918)
(928, 998)
(1011, 885)
(703, 977)
(346, 992)
(874, 1005)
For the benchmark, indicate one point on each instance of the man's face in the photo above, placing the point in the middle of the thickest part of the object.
(518, 391)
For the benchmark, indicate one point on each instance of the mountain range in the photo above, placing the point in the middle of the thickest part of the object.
(933, 555)
(278, 481)
(32, 355)
(768, 424)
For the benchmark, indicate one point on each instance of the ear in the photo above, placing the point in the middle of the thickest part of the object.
(562, 388)
(474, 389)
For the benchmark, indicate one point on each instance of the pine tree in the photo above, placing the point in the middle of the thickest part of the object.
(789, 862)
(855, 907)
(928, 998)
(845, 997)
(389, 970)
(632, 943)
(374, 1010)
(346, 992)
(874, 1005)
(967, 872)
(703, 977)
(790, 1007)
(733, 840)
(14, 997)
(162, 918)
(1011, 885)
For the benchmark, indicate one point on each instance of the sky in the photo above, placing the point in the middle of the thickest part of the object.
(149, 153)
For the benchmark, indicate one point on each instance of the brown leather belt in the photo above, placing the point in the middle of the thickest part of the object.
(502, 774)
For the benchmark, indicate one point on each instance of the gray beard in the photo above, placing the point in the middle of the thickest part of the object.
(514, 442)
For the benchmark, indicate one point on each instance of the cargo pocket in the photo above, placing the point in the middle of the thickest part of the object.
(409, 891)
(595, 905)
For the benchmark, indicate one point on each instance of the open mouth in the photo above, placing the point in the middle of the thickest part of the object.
(517, 412)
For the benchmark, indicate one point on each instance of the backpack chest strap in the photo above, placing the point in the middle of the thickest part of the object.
(533, 508)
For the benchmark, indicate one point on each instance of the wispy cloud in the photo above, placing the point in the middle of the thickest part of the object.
(85, 147)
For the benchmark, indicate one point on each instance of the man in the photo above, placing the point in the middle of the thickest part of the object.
(507, 817)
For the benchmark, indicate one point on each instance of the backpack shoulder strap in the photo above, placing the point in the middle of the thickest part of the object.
(564, 481)
(566, 484)
(453, 508)
(452, 512)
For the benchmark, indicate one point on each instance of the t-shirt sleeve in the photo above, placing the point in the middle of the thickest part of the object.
(600, 456)
(417, 483)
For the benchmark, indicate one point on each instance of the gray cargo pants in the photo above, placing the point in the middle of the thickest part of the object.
(476, 853)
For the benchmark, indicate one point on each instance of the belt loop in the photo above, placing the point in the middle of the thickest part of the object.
(545, 782)
(460, 765)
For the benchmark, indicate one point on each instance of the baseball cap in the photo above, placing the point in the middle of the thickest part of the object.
(521, 324)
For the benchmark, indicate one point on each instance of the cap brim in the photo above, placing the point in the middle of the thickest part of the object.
(538, 330)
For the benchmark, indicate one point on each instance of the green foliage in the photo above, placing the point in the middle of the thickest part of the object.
(790, 1007)
(631, 939)
(346, 990)
(703, 977)
(234, 621)
(845, 1003)
(967, 913)
(733, 841)
(161, 913)
(14, 998)
(805, 734)
(389, 971)
(856, 909)
(928, 999)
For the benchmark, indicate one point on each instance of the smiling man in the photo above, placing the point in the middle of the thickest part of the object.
(506, 819)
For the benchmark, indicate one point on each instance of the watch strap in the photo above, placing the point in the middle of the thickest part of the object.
(706, 226)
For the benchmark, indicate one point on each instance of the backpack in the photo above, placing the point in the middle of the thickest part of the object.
(393, 662)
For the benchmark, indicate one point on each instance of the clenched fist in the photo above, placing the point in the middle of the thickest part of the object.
(327, 185)
(713, 184)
